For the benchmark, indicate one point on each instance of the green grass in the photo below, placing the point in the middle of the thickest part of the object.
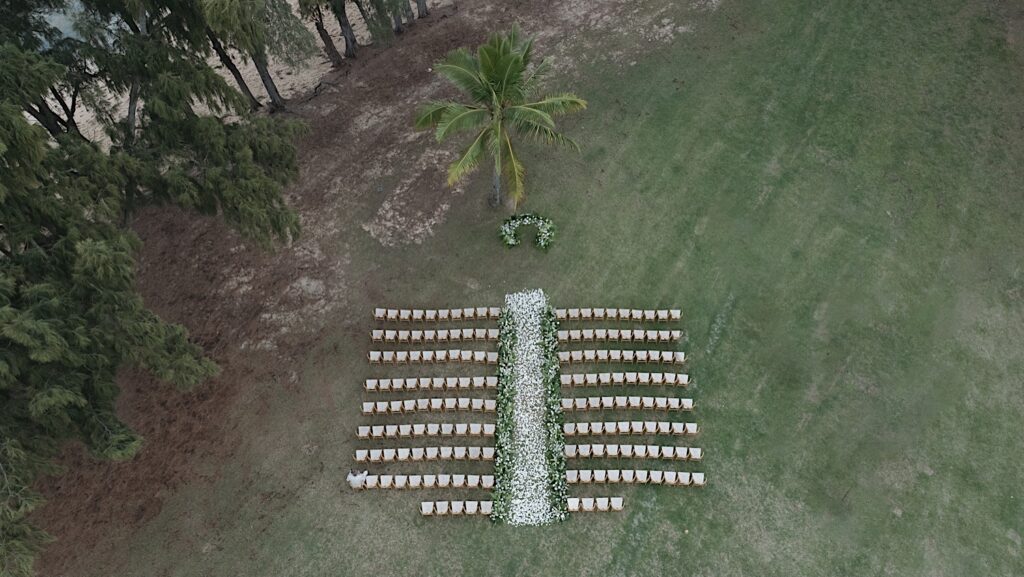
(832, 193)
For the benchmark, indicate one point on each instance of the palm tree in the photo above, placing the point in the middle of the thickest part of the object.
(500, 84)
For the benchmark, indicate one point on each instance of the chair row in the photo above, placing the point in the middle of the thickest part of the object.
(621, 356)
(426, 430)
(431, 383)
(439, 336)
(438, 356)
(429, 482)
(434, 404)
(583, 428)
(425, 454)
(432, 315)
(599, 379)
(612, 450)
(625, 335)
(597, 314)
(454, 508)
(596, 403)
(629, 476)
(590, 504)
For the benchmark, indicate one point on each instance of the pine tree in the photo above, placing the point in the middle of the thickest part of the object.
(261, 28)
(70, 315)
(313, 10)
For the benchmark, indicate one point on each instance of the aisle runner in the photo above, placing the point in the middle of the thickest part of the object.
(530, 500)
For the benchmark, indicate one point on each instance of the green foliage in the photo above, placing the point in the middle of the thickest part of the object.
(504, 445)
(70, 315)
(509, 231)
(260, 27)
(500, 84)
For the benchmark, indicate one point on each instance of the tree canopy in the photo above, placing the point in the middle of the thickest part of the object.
(70, 314)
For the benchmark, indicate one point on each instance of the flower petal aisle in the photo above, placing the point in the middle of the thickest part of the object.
(529, 472)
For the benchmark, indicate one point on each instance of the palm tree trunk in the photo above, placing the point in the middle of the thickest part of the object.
(496, 187)
(225, 59)
(421, 9)
(260, 60)
(329, 48)
(338, 8)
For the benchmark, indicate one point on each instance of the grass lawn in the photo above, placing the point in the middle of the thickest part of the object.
(832, 193)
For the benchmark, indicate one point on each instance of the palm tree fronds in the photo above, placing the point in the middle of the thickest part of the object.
(469, 159)
(460, 117)
(518, 114)
(431, 114)
(545, 134)
(462, 69)
(558, 104)
(514, 172)
(538, 73)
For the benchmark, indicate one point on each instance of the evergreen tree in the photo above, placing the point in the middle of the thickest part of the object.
(261, 28)
(70, 315)
(341, 14)
(313, 10)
